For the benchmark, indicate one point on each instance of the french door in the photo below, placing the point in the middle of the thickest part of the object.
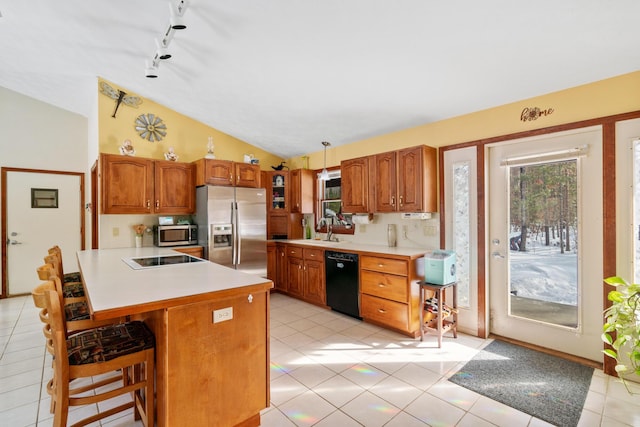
(545, 241)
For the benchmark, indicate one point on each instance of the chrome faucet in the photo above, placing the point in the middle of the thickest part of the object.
(329, 231)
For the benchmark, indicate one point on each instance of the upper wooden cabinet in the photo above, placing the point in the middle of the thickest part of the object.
(227, 172)
(355, 185)
(131, 185)
(405, 180)
(278, 189)
(301, 191)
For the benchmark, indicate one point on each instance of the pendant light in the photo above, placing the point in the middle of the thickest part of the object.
(324, 175)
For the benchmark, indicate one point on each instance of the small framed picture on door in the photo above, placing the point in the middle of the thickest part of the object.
(44, 198)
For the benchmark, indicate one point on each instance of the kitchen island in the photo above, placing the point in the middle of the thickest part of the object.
(211, 325)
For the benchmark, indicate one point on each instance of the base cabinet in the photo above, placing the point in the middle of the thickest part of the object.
(390, 293)
(305, 274)
(228, 383)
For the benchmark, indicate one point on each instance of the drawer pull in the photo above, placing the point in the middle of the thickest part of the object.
(381, 265)
(381, 285)
(382, 310)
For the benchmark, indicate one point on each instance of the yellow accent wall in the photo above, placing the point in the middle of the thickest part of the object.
(598, 99)
(187, 136)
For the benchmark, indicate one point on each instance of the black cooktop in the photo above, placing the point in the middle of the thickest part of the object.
(161, 260)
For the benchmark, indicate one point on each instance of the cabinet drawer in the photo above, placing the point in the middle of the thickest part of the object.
(384, 265)
(387, 312)
(294, 251)
(315, 254)
(384, 285)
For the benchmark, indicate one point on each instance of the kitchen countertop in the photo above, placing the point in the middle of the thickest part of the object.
(113, 285)
(359, 247)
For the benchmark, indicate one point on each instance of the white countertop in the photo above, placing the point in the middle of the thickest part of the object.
(359, 247)
(112, 284)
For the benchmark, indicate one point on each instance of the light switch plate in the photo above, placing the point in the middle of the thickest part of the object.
(222, 315)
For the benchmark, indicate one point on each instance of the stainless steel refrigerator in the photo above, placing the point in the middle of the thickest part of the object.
(232, 227)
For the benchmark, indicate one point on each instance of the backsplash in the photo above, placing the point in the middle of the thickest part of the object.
(116, 231)
(410, 233)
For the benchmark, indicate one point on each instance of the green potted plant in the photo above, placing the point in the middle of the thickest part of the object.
(623, 319)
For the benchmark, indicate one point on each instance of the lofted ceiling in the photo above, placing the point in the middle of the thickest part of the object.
(285, 75)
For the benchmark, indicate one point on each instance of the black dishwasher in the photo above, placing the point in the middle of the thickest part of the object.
(342, 282)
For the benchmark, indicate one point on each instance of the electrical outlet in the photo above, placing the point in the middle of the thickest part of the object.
(222, 315)
(115, 231)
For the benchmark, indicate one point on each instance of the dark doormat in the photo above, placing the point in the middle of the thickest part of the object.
(544, 386)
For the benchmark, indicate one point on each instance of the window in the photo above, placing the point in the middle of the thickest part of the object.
(330, 205)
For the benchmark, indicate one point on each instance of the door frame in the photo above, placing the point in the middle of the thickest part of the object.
(3, 214)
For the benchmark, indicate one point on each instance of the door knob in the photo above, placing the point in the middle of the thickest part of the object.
(497, 254)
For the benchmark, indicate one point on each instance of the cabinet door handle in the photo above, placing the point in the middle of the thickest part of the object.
(238, 178)
(157, 204)
(400, 201)
(148, 204)
(393, 201)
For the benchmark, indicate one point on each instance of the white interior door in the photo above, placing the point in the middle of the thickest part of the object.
(461, 225)
(34, 225)
(545, 241)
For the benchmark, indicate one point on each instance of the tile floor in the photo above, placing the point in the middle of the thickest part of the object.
(327, 370)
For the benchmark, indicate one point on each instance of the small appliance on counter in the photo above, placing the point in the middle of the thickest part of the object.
(170, 232)
(440, 267)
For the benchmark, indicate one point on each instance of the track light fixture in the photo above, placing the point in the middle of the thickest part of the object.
(176, 22)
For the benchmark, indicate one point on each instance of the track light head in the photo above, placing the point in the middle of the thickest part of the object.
(151, 71)
(161, 50)
(175, 15)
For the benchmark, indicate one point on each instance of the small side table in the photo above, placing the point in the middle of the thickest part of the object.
(441, 324)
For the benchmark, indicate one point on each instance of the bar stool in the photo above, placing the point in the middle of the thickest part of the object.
(127, 349)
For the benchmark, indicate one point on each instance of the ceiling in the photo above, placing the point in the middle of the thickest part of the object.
(285, 75)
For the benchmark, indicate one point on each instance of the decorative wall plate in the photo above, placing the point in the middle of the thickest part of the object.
(150, 127)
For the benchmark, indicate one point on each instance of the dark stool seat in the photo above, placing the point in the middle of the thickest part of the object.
(108, 342)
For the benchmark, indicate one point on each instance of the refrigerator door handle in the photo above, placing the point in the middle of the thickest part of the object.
(234, 234)
(238, 240)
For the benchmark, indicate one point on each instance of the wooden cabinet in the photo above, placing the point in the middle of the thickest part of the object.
(289, 195)
(234, 387)
(277, 265)
(227, 172)
(306, 277)
(278, 189)
(390, 293)
(196, 251)
(301, 191)
(314, 276)
(355, 185)
(405, 180)
(271, 262)
(131, 185)
(281, 267)
(175, 192)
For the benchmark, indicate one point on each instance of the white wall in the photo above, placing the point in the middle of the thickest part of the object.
(36, 135)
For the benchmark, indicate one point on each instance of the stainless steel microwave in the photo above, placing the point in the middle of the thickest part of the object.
(175, 235)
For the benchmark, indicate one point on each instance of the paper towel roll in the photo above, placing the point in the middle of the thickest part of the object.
(362, 219)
